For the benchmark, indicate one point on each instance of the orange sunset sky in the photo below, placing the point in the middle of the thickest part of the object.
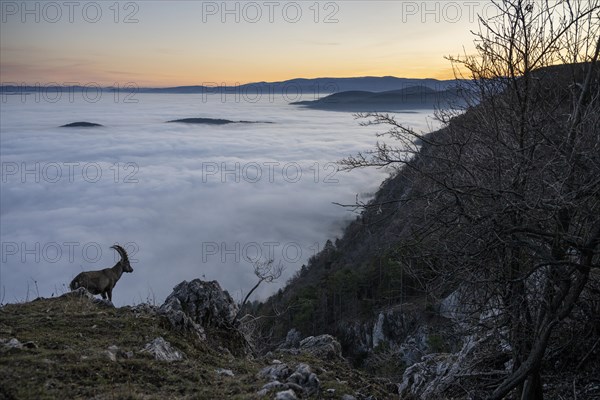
(170, 43)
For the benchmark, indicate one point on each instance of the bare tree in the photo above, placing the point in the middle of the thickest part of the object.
(266, 271)
(508, 195)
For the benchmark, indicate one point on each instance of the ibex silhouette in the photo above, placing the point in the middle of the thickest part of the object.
(102, 282)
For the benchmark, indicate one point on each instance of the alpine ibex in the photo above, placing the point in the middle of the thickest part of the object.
(102, 282)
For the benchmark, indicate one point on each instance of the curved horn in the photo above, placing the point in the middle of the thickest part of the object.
(121, 252)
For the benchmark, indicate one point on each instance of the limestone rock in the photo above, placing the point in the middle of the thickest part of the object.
(80, 292)
(275, 372)
(111, 352)
(292, 340)
(286, 395)
(224, 372)
(162, 350)
(306, 379)
(429, 378)
(194, 305)
(322, 346)
(300, 380)
(143, 308)
(378, 334)
(271, 386)
(14, 343)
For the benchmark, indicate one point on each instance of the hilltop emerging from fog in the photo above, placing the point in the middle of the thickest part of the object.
(411, 98)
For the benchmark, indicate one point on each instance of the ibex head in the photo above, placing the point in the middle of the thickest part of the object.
(124, 259)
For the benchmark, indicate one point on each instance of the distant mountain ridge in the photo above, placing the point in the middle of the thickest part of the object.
(316, 85)
(291, 87)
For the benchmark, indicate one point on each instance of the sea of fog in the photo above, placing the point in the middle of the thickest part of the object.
(187, 201)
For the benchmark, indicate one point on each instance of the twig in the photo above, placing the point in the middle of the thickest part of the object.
(587, 355)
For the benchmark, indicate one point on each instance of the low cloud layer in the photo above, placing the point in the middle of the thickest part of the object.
(187, 201)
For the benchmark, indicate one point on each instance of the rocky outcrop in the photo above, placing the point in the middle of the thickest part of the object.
(205, 302)
(196, 305)
(180, 320)
(378, 333)
(292, 339)
(83, 293)
(462, 304)
(437, 372)
(286, 395)
(403, 331)
(322, 346)
(114, 353)
(80, 292)
(275, 372)
(289, 382)
(14, 343)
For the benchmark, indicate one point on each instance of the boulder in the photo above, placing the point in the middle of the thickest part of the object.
(300, 380)
(199, 306)
(111, 352)
(196, 305)
(224, 372)
(271, 386)
(292, 340)
(162, 350)
(206, 303)
(286, 395)
(14, 343)
(429, 378)
(180, 320)
(275, 372)
(306, 379)
(322, 346)
(82, 293)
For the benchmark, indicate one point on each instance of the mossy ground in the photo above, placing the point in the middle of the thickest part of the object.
(70, 358)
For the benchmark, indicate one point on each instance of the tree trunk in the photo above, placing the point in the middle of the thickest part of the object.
(532, 389)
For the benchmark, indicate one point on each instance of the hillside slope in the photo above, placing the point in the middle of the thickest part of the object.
(437, 239)
(78, 348)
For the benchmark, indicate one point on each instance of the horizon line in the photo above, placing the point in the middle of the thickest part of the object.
(211, 84)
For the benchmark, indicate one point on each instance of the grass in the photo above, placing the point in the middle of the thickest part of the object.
(70, 360)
